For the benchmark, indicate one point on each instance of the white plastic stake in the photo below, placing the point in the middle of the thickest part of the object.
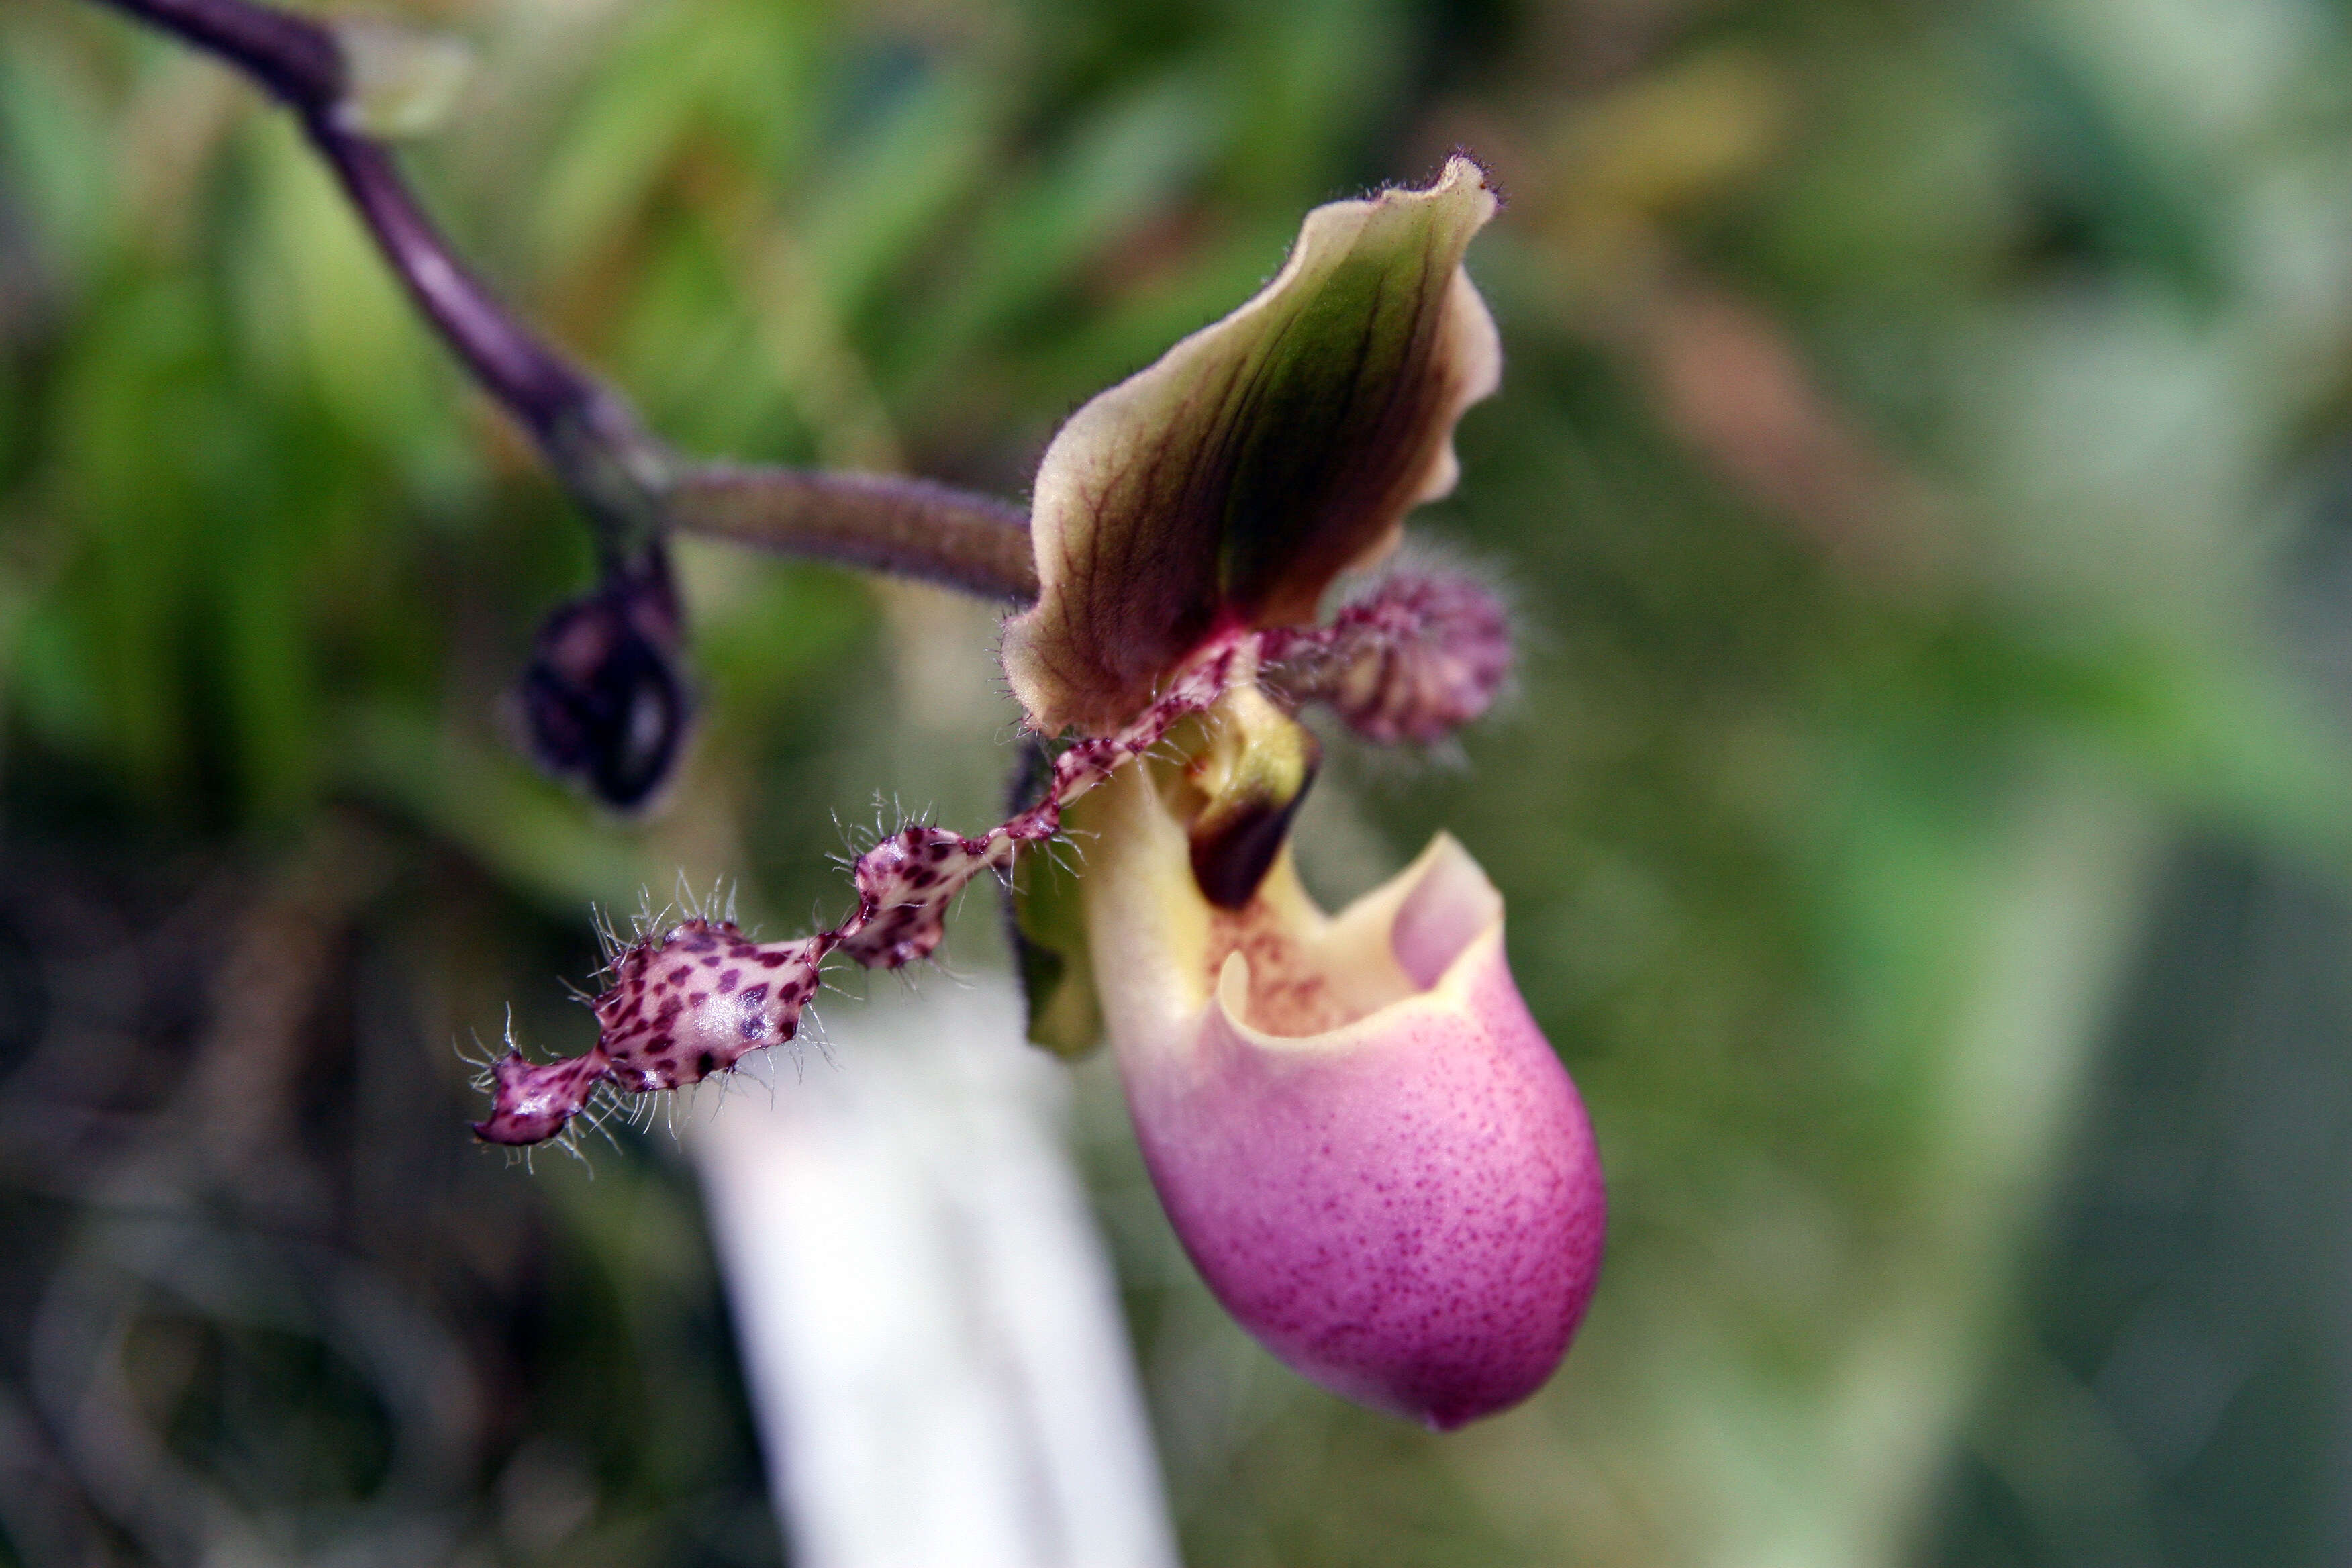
(928, 1325)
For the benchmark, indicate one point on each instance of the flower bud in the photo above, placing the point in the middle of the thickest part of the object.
(602, 700)
(1362, 1139)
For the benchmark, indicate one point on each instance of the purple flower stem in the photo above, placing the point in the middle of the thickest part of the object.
(620, 475)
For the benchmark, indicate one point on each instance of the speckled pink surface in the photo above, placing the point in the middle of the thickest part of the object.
(1415, 1220)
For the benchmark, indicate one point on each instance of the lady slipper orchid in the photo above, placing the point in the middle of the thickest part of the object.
(1359, 1135)
(1363, 1140)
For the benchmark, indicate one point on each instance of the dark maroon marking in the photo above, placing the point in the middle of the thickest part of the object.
(728, 981)
(769, 960)
(706, 1063)
(713, 962)
(697, 998)
(752, 1025)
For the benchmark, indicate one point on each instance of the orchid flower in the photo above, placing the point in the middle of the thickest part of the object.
(1359, 1135)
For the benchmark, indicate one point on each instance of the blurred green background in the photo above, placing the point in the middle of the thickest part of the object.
(1923, 471)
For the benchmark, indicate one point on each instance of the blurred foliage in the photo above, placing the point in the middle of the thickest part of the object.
(1919, 470)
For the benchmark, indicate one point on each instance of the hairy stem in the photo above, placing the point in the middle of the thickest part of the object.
(624, 478)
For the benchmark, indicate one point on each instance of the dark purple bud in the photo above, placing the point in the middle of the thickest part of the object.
(603, 698)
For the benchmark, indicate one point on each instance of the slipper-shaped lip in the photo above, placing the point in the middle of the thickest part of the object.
(1406, 1206)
